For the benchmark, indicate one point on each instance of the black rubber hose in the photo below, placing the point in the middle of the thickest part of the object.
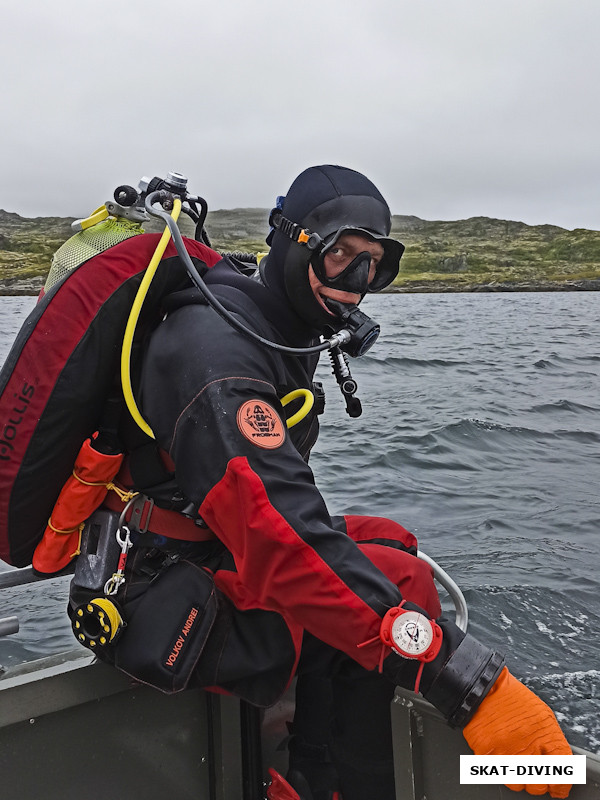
(336, 340)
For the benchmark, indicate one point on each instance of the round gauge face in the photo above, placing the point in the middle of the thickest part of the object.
(412, 633)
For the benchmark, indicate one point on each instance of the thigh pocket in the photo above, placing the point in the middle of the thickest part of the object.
(167, 628)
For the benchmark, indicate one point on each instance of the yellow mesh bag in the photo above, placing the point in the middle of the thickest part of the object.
(89, 243)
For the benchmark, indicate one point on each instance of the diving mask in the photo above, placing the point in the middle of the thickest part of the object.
(355, 276)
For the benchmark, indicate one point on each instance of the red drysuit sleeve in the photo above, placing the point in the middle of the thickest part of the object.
(211, 398)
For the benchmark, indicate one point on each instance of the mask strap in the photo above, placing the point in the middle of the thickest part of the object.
(294, 231)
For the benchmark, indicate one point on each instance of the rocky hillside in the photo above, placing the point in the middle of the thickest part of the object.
(492, 254)
(26, 247)
(477, 254)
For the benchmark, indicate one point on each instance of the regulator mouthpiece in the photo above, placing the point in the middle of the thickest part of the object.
(363, 331)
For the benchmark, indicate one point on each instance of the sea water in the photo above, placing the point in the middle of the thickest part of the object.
(480, 434)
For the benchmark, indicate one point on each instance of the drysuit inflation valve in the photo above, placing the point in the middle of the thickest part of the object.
(97, 623)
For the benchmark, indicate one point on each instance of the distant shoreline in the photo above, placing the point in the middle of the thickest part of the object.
(429, 287)
(478, 254)
(433, 287)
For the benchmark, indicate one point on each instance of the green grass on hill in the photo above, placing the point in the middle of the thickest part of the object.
(448, 255)
(482, 250)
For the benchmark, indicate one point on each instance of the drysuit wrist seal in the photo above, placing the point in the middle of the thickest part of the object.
(465, 680)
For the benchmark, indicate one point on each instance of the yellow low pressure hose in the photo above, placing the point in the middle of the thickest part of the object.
(133, 321)
(134, 315)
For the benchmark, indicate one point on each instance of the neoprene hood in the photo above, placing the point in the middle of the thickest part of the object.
(322, 203)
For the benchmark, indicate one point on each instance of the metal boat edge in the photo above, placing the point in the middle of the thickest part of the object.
(71, 726)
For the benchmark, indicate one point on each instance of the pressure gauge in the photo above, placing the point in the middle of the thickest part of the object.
(411, 634)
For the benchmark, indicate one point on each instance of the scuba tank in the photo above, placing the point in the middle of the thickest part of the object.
(61, 369)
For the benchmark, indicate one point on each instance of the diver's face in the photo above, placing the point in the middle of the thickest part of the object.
(348, 246)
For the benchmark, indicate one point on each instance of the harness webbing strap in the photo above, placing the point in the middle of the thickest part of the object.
(162, 521)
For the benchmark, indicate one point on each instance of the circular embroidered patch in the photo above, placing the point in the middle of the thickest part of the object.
(260, 424)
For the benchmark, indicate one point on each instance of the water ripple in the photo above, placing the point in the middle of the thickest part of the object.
(480, 434)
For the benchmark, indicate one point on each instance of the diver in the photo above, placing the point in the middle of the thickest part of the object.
(340, 602)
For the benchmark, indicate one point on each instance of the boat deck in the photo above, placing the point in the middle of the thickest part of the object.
(71, 727)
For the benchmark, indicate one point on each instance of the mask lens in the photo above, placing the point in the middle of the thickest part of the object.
(353, 278)
(386, 271)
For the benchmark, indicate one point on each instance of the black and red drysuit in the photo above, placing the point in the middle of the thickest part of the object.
(290, 576)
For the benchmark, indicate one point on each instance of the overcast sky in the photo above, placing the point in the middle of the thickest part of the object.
(454, 108)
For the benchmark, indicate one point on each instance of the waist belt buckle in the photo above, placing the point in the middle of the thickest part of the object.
(141, 512)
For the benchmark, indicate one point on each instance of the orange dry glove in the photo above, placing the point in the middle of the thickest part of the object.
(512, 720)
